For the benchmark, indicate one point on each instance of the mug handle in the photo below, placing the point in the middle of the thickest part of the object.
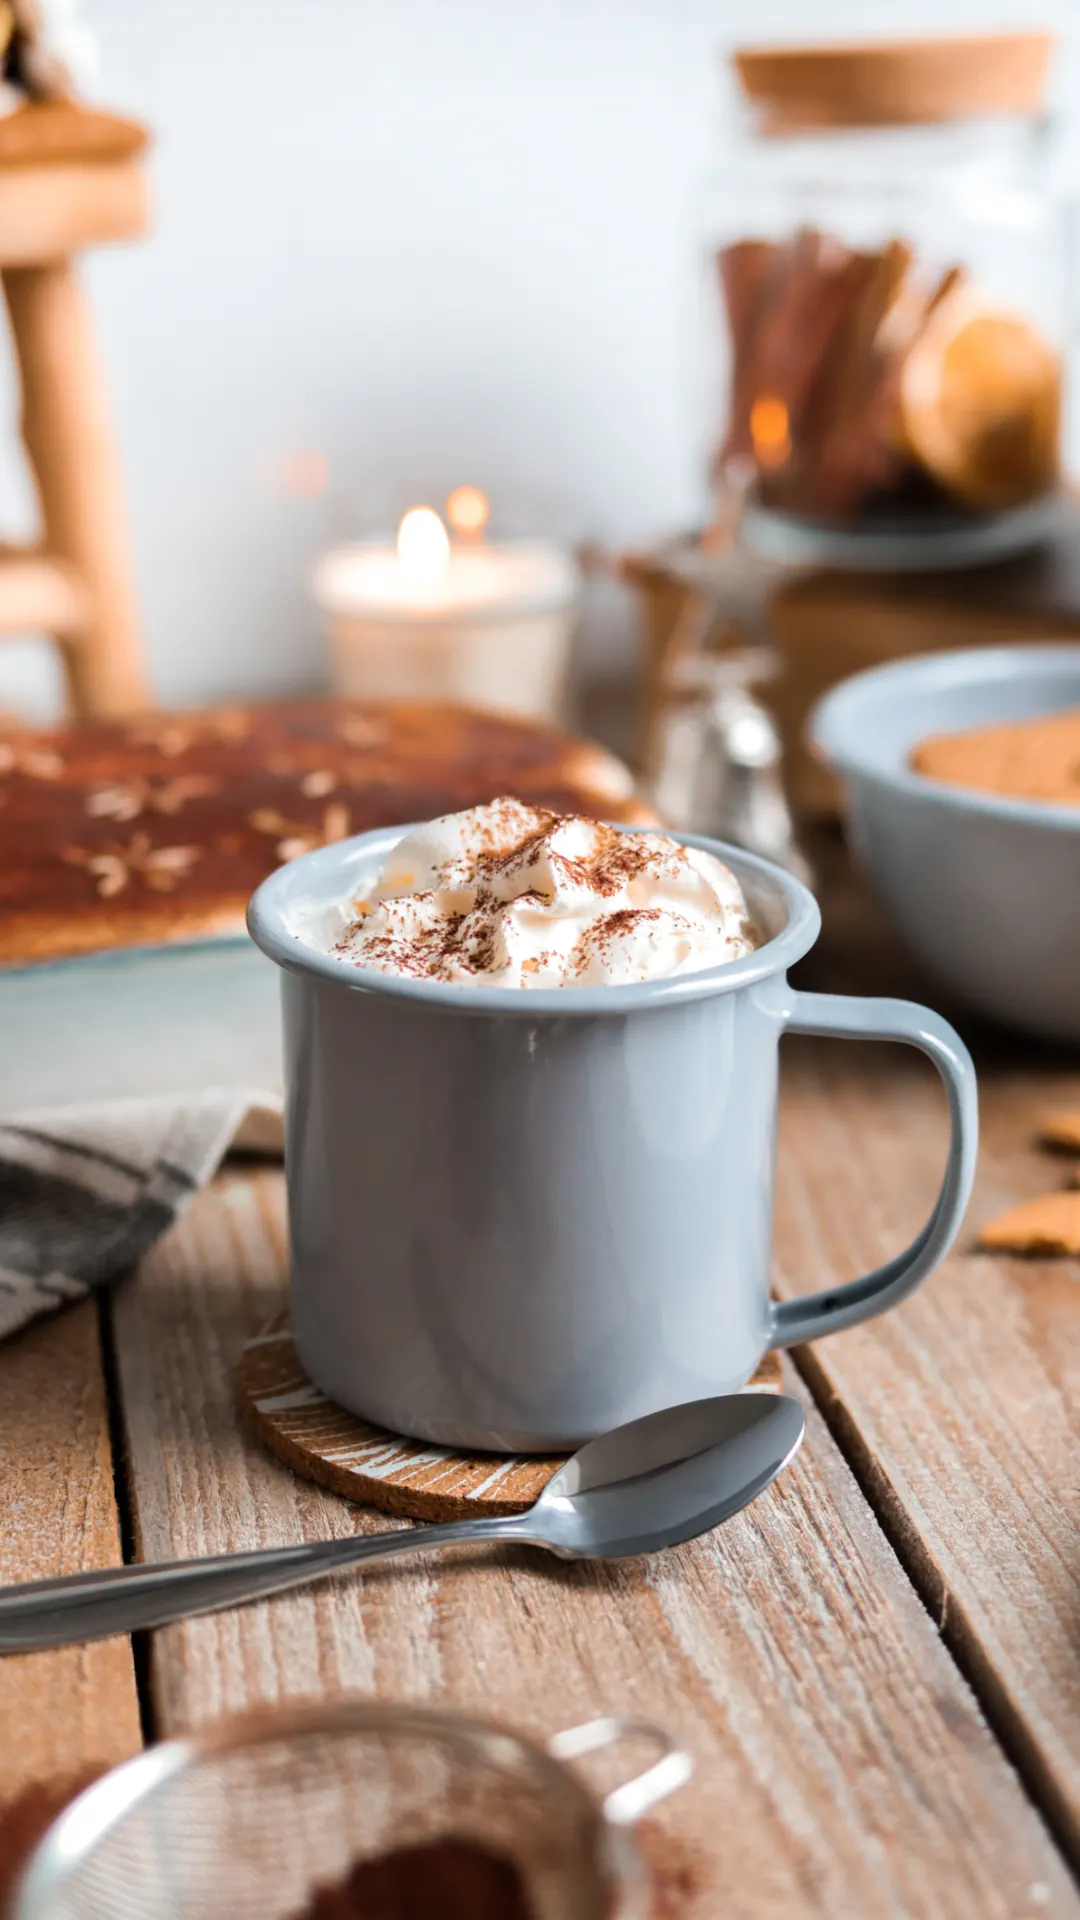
(625, 1804)
(794, 1321)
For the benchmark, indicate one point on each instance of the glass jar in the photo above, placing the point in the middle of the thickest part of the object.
(883, 227)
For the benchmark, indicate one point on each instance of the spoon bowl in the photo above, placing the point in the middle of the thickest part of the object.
(666, 1477)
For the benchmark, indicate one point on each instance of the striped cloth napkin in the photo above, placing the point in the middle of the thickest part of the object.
(85, 1192)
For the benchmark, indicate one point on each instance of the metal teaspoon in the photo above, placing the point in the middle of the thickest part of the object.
(650, 1484)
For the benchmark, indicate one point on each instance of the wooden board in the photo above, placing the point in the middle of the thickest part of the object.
(843, 1768)
(323, 1442)
(66, 1712)
(961, 1411)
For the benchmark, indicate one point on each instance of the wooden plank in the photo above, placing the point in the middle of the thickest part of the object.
(68, 1712)
(961, 1411)
(843, 1767)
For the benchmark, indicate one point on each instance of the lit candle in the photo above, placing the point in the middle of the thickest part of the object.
(423, 550)
(480, 622)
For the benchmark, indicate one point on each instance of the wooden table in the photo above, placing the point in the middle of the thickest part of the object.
(876, 1668)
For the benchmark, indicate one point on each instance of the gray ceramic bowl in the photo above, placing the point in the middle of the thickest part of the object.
(984, 890)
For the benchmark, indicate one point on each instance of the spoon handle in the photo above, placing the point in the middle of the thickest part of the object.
(93, 1606)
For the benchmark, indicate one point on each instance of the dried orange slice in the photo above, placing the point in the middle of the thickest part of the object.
(980, 401)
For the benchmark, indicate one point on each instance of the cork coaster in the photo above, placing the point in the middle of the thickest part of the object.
(410, 1477)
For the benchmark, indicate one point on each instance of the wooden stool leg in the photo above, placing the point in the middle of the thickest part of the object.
(69, 439)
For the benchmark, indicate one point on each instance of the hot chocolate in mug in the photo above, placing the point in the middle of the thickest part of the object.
(522, 1217)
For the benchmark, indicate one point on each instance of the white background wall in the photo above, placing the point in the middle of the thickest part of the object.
(429, 242)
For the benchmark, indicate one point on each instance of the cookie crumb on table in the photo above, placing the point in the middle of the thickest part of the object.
(1049, 1224)
(1060, 1130)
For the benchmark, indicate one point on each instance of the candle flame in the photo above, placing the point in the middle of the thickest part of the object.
(770, 431)
(423, 547)
(467, 511)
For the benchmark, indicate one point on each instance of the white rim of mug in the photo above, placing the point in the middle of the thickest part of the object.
(266, 925)
(834, 730)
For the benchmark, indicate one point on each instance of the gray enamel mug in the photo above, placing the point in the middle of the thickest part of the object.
(522, 1217)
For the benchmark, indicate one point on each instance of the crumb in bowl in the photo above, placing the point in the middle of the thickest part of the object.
(1021, 759)
(1061, 1130)
(444, 1879)
(1049, 1224)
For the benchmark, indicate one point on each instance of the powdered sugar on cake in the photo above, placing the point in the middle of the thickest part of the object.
(510, 895)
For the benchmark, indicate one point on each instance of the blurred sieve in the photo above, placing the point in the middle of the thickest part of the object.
(247, 1820)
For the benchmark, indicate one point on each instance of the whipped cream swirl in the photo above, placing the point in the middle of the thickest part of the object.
(510, 895)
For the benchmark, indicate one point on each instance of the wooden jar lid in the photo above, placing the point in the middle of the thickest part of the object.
(895, 82)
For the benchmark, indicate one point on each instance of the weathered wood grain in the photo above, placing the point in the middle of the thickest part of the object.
(961, 1410)
(843, 1766)
(66, 1712)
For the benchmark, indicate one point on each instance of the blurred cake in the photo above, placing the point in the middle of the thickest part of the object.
(141, 833)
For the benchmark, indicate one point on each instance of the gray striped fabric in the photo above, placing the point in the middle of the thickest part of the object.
(84, 1193)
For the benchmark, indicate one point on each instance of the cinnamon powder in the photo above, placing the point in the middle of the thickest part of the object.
(508, 842)
(443, 1880)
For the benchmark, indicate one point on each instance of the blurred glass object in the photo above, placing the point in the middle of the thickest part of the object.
(484, 622)
(719, 767)
(890, 251)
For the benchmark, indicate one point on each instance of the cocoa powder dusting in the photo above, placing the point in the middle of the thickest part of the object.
(616, 859)
(598, 940)
(443, 1880)
(468, 938)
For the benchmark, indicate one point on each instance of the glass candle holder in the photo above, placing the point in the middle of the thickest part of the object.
(480, 623)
